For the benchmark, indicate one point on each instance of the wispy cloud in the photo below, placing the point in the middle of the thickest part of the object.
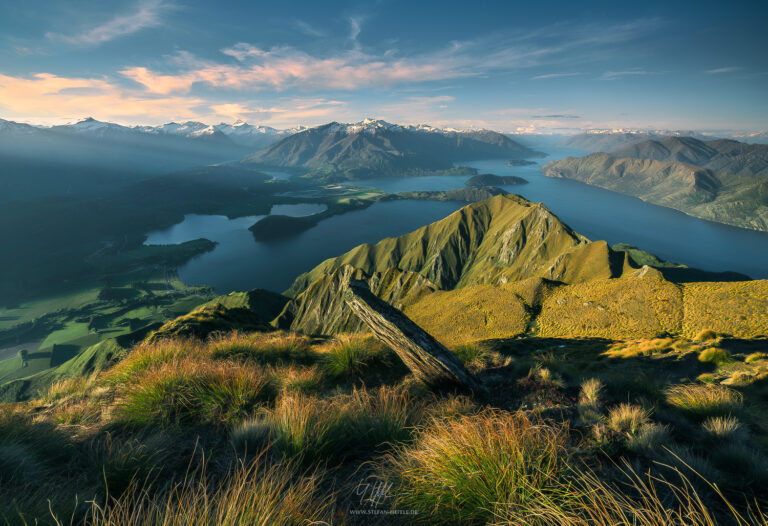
(308, 29)
(146, 14)
(556, 116)
(283, 67)
(717, 71)
(554, 76)
(615, 75)
(355, 26)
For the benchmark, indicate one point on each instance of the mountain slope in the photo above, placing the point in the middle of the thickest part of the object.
(373, 147)
(732, 199)
(501, 240)
(721, 155)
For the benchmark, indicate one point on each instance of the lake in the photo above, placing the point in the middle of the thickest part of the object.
(240, 263)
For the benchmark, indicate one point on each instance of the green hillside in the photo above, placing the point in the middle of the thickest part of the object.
(737, 200)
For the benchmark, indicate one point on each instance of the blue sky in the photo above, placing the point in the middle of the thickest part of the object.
(511, 66)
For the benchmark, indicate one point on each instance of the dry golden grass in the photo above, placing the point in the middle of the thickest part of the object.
(469, 314)
(256, 494)
(627, 419)
(702, 401)
(477, 467)
(193, 390)
(617, 308)
(735, 308)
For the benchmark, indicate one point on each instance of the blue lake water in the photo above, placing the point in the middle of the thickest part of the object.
(240, 263)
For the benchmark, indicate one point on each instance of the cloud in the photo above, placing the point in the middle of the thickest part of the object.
(615, 75)
(147, 14)
(717, 71)
(556, 116)
(355, 26)
(308, 29)
(53, 98)
(286, 113)
(554, 76)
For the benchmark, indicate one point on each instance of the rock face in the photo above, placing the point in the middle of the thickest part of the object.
(427, 359)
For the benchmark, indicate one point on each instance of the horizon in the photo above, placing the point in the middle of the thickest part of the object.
(549, 69)
(744, 135)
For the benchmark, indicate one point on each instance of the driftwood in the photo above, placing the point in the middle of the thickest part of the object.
(427, 359)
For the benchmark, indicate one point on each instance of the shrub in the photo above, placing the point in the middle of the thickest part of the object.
(701, 401)
(715, 356)
(479, 467)
(195, 391)
(627, 419)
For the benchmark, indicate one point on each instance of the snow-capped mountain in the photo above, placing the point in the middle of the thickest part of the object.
(377, 126)
(372, 146)
(18, 129)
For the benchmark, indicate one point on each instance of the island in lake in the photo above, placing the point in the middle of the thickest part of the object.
(520, 162)
(494, 180)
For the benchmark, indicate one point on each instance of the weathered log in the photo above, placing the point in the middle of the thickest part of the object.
(427, 359)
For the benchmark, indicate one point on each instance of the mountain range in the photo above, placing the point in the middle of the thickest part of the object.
(720, 155)
(719, 180)
(91, 157)
(375, 147)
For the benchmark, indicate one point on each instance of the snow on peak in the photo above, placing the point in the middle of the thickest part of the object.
(370, 125)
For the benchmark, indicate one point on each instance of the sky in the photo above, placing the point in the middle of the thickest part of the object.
(513, 66)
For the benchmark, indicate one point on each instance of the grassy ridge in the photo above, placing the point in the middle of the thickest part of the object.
(633, 307)
(282, 428)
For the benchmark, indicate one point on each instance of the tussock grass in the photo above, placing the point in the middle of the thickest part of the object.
(263, 348)
(311, 429)
(590, 401)
(351, 355)
(715, 355)
(640, 499)
(705, 335)
(627, 419)
(194, 391)
(755, 357)
(701, 401)
(591, 391)
(650, 437)
(255, 494)
(725, 428)
(478, 467)
(475, 358)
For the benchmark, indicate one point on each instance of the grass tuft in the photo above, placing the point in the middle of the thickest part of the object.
(715, 355)
(478, 467)
(627, 419)
(701, 401)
